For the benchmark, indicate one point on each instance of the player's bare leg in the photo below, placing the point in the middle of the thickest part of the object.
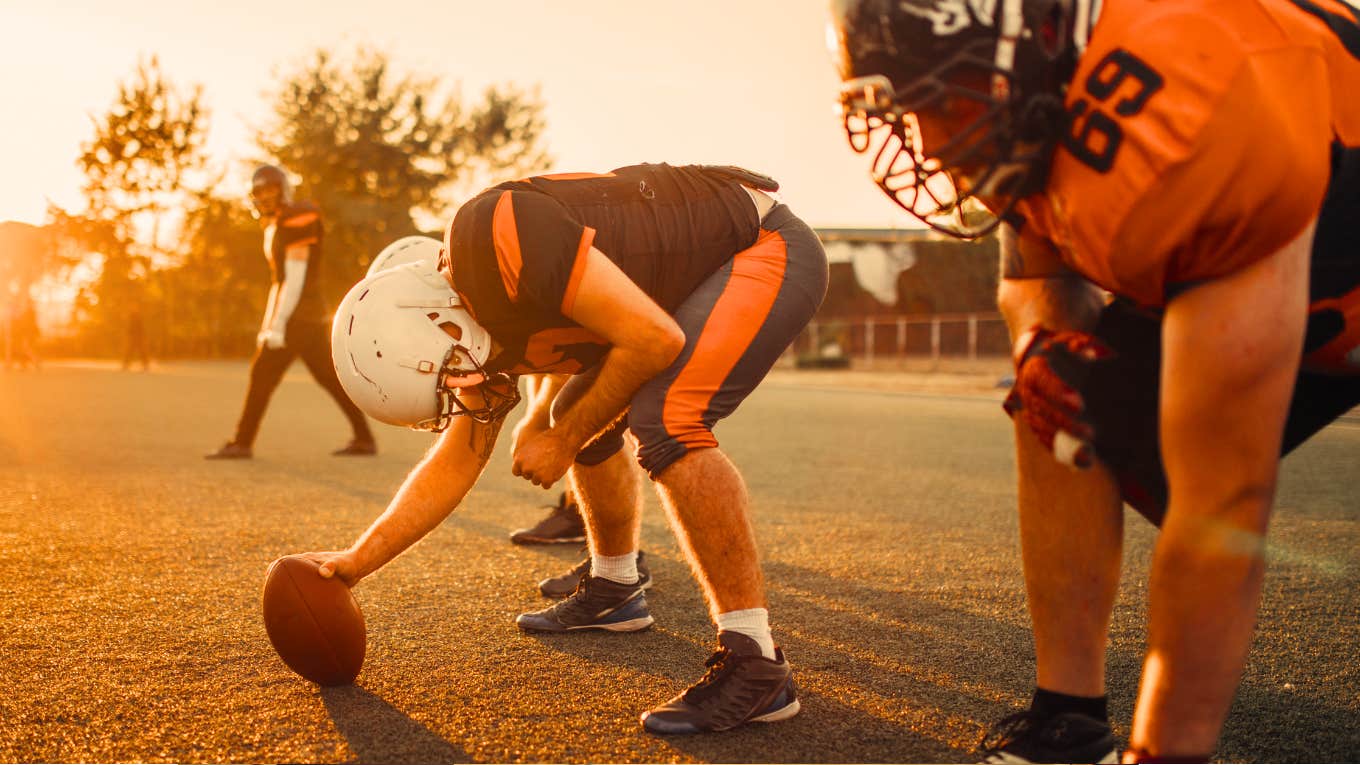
(610, 497)
(748, 679)
(706, 500)
(1071, 534)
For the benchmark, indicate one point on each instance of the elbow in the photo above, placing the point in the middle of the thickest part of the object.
(673, 344)
(669, 343)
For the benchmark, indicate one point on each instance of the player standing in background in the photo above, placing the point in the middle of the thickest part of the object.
(295, 319)
(1200, 160)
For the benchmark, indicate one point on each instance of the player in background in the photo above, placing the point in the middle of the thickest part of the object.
(1200, 161)
(295, 318)
(667, 293)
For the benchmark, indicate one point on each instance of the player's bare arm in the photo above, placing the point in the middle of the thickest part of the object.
(432, 490)
(1037, 289)
(539, 394)
(1227, 377)
(644, 341)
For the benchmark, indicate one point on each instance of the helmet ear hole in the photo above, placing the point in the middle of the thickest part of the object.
(452, 330)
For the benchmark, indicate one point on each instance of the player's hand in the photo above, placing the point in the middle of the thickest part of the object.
(524, 430)
(341, 565)
(543, 458)
(271, 339)
(1050, 370)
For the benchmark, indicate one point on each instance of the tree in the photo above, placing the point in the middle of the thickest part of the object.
(376, 150)
(139, 167)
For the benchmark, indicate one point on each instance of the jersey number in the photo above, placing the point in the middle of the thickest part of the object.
(1093, 136)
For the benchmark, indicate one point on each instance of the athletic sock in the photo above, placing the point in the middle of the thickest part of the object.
(754, 623)
(1050, 704)
(615, 568)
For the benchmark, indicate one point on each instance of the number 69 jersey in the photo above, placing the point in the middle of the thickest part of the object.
(1205, 136)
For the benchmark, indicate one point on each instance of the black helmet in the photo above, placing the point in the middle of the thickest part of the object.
(1010, 58)
(269, 175)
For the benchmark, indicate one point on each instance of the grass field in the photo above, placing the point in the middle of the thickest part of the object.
(130, 619)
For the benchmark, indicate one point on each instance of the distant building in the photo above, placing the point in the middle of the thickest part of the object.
(905, 293)
(907, 271)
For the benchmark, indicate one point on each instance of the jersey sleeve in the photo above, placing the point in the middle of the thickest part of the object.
(540, 250)
(299, 225)
(1250, 182)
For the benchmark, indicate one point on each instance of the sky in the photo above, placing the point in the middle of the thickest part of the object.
(747, 82)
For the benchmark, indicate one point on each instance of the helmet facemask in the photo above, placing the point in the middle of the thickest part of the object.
(499, 391)
(1011, 83)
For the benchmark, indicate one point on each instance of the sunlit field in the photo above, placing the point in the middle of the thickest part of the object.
(130, 625)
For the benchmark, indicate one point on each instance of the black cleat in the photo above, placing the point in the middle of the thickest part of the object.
(741, 686)
(357, 448)
(562, 585)
(1067, 737)
(230, 451)
(597, 603)
(563, 525)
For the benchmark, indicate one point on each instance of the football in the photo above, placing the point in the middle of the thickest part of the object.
(314, 623)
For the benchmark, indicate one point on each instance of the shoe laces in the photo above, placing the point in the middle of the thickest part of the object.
(583, 601)
(719, 666)
(1007, 731)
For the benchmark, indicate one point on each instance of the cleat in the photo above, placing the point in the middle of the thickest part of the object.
(357, 448)
(562, 585)
(1068, 737)
(562, 525)
(597, 604)
(230, 451)
(741, 686)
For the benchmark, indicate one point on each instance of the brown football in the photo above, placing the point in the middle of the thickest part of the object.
(314, 623)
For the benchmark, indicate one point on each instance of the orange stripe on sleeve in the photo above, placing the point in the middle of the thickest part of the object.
(506, 238)
(732, 325)
(298, 221)
(578, 269)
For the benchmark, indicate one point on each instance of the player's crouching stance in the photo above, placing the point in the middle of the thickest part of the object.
(1122, 141)
(668, 292)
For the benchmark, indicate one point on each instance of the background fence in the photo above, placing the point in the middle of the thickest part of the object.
(932, 337)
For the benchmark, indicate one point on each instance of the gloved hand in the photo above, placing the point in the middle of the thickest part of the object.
(270, 338)
(1050, 369)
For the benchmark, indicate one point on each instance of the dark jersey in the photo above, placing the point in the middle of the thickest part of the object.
(298, 225)
(516, 252)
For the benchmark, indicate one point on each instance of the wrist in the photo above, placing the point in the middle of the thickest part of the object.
(1024, 344)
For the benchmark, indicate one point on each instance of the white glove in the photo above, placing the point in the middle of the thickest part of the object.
(271, 339)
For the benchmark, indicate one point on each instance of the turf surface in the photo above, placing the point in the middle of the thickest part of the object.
(130, 621)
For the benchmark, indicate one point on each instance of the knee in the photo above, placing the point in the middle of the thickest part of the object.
(605, 445)
(661, 443)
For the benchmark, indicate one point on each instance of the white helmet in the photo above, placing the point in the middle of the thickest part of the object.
(408, 249)
(403, 344)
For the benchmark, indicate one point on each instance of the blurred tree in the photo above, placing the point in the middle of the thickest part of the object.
(145, 156)
(221, 280)
(378, 151)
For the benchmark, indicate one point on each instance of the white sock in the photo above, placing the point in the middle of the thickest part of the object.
(615, 568)
(754, 623)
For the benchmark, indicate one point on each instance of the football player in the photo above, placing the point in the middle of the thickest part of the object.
(1199, 162)
(564, 523)
(667, 293)
(295, 315)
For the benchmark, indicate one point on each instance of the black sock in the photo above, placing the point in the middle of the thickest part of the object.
(1050, 704)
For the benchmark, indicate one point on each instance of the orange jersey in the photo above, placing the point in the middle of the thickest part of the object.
(1206, 135)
